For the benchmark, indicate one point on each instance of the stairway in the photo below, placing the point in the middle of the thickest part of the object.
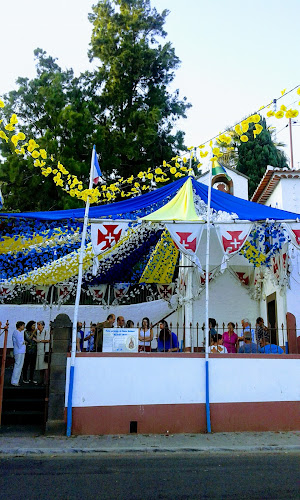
(24, 405)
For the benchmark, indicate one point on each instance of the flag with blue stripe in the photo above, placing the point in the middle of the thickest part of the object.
(96, 168)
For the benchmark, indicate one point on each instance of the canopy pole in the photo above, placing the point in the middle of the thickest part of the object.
(207, 404)
(188, 306)
(77, 300)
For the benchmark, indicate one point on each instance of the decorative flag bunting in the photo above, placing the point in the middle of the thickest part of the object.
(166, 291)
(203, 278)
(106, 235)
(40, 293)
(98, 292)
(232, 238)
(243, 277)
(96, 168)
(64, 292)
(120, 290)
(293, 230)
(6, 292)
(1, 199)
(187, 238)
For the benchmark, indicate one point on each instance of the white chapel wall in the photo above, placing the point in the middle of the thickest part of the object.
(228, 301)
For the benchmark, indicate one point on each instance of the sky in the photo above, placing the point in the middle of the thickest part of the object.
(235, 56)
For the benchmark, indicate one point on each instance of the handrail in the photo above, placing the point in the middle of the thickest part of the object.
(2, 375)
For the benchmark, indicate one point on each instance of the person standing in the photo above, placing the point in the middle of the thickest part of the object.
(145, 336)
(43, 345)
(79, 337)
(31, 350)
(19, 352)
(109, 323)
(230, 338)
(120, 322)
(91, 338)
(167, 341)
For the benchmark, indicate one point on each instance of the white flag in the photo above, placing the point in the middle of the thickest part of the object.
(187, 238)
(106, 235)
(98, 292)
(232, 238)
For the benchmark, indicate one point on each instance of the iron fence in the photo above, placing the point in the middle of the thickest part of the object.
(191, 338)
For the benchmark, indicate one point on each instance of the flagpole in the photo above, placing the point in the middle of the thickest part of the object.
(207, 405)
(77, 300)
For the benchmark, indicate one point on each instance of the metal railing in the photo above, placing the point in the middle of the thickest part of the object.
(191, 338)
(3, 330)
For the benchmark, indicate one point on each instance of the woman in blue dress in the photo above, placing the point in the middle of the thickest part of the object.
(167, 341)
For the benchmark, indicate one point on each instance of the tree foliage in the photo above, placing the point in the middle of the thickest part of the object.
(255, 155)
(51, 108)
(123, 107)
(136, 112)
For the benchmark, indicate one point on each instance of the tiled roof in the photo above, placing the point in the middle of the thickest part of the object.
(270, 180)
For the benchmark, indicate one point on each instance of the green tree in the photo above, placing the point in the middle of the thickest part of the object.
(255, 155)
(124, 107)
(135, 111)
(252, 157)
(52, 109)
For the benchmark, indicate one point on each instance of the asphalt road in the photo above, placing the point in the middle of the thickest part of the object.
(156, 476)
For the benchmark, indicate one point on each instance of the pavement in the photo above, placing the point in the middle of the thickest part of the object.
(18, 444)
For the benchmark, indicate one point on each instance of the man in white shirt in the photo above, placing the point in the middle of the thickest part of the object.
(19, 352)
(120, 322)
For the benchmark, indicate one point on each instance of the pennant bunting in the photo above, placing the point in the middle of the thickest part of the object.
(187, 238)
(293, 230)
(232, 237)
(6, 292)
(243, 277)
(166, 291)
(98, 292)
(40, 293)
(64, 292)
(106, 235)
(120, 290)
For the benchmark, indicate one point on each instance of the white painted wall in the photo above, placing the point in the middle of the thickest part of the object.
(114, 381)
(286, 195)
(229, 301)
(275, 200)
(154, 310)
(293, 297)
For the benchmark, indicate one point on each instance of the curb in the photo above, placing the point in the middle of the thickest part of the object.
(24, 452)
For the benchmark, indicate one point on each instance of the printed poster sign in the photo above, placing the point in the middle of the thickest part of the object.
(120, 340)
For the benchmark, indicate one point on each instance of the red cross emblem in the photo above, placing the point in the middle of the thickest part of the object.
(243, 278)
(98, 294)
(234, 243)
(40, 293)
(120, 292)
(4, 291)
(284, 261)
(297, 235)
(203, 278)
(188, 245)
(109, 237)
(275, 267)
(63, 292)
(165, 291)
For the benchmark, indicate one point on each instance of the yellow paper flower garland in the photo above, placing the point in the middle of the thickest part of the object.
(177, 165)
